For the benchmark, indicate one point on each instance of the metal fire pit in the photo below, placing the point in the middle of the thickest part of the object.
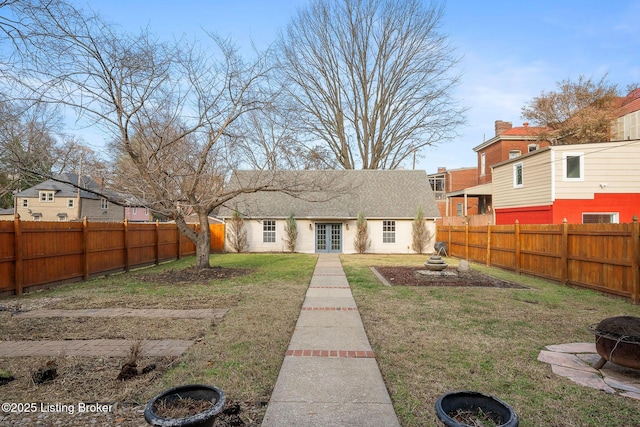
(617, 341)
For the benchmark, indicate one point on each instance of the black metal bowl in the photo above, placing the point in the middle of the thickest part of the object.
(192, 391)
(493, 408)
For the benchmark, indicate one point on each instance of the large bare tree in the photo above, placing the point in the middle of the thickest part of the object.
(169, 108)
(372, 79)
(576, 112)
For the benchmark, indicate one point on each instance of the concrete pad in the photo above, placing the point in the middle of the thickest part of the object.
(329, 302)
(581, 377)
(565, 359)
(330, 380)
(319, 338)
(329, 292)
(631, 395)
(329, 319)
(321, 414)
(575, 347)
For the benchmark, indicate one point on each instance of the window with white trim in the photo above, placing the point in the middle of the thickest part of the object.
(573, 166)
(388, 231)
(104, 204)
(459, 209)
(518, 175)
(71, 203)
(483, 164)
(514, 153)
(269, 231)
(600, 218)
(47, 196)
(532, 147)
(25, 203)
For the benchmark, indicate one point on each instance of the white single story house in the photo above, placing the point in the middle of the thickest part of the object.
(326, 205)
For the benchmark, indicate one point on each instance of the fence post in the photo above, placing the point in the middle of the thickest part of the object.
(488, 245)
(17, 234)
(517, 236)
(127, 265)
(449, 241)
(635, 260)
(85, 249)
(157, 242)
(466, 241)
(564, 255)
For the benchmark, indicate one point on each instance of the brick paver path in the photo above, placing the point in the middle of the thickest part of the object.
(105, 347)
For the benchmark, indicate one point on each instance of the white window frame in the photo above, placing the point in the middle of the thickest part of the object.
(25, 203)
(71, 203)
(565, 169)
(514, 154)
(47, 196)
(532, 147)
(388, 231)
(517, 166)
(483, 164)
(269, 231)
(459, 209)
(104, 204)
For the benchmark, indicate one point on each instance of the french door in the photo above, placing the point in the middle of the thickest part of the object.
(328, 237)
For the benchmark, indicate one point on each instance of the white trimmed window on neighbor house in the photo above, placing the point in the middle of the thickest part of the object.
(518, 175)
(47, 196)
(104, 204)
(25, 203)
(573, 166)
(600, 218)
(269, 231)
(71, 203)
(388, 231)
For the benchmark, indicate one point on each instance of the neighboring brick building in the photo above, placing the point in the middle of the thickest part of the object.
(509, 142)
(446, 181)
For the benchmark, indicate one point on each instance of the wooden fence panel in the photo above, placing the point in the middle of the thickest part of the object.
(7, 256)
(502, 250)
(541, 251)
(217, 237)
(44, 253)
(142, 245)
(105, 247)
(603, 257)
(51, 252)
(478, 237)
(600, 257)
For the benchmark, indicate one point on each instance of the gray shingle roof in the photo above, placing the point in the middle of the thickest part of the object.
(334, 194)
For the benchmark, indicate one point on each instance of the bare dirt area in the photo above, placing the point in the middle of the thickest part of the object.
(192, 275)
(409, 276)
(110, 391)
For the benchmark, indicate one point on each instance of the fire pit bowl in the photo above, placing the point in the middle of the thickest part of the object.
(187, 393)
(456, 407)
(618, 341)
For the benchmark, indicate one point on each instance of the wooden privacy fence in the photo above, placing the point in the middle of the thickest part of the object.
(37, 254)
(602, 257)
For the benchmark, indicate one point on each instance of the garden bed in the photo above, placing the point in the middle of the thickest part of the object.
(409, 276)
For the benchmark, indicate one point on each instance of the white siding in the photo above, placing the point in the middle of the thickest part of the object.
(608, 168)
(536, 182)
(306, 236)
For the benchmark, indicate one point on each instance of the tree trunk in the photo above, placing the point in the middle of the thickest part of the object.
(201, 238)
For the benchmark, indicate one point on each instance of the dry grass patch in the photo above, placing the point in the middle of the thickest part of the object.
(431, 340)
(241, 354)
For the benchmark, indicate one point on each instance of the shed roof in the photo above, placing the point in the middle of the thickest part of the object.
(339, 194)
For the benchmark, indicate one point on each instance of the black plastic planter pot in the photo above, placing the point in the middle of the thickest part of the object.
(497, 411)
(193, 391)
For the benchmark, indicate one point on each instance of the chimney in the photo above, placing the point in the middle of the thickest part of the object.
(525, 124)
(442, 169)
(501, 127)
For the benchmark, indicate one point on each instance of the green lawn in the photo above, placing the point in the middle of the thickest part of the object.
(429, 341)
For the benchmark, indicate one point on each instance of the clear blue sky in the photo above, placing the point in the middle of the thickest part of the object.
(511, 50)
